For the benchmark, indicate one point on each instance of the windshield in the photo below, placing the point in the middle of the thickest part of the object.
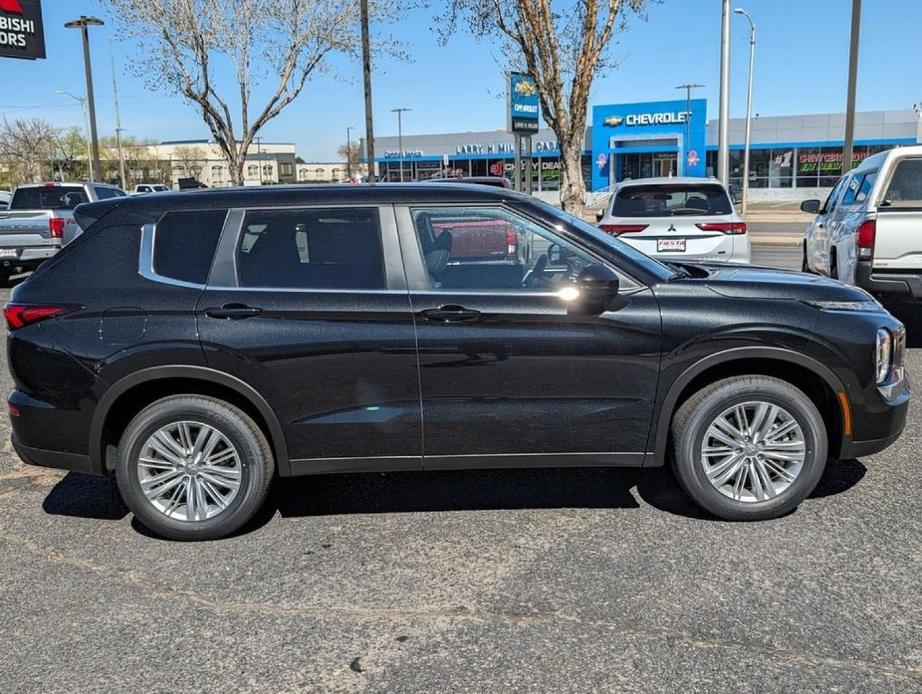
(652, 266)
(671, 200)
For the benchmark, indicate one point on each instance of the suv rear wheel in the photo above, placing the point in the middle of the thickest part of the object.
(749, 447)
(193, 468)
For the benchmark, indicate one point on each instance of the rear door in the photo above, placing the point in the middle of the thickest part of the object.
(898, 245)
(309, 306)
(679, 221)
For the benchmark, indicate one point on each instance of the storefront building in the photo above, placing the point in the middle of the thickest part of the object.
(790, 155)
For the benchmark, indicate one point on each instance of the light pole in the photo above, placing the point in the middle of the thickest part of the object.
(118, 123)
(400, 111)
(752, 54)
(349, 152)
(723, 125)
(688, 87)
(83, 24)
(852, 85)
(82, 101)
(366, 78)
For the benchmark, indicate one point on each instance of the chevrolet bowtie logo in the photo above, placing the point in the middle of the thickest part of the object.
(613, 121)
(11, 6)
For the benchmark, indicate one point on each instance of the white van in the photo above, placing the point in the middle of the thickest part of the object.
(869, 231)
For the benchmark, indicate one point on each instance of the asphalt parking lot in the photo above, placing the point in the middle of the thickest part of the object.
(542, 580)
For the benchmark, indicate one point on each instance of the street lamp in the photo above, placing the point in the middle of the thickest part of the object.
(688, 87)
(752, 54)
(348, 152)
(83, 24)
(400, 111)
(82, 101)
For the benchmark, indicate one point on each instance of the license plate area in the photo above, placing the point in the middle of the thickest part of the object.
(670, 245)
(9, 253)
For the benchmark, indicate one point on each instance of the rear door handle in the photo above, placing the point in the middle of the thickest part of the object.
(451, 313)
(233, 311)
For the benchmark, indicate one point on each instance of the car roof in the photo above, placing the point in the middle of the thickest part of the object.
(312, 194)
(669, 180)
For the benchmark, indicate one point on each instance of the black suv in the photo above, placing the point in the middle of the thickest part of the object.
(197, 345)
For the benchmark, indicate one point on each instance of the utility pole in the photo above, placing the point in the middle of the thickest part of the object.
(723, 126)
(687, 87)
(400, 111)
(83, 24)
(752, 55)
(848, 148)
(348, 152)
(366, 75)
(118, 124)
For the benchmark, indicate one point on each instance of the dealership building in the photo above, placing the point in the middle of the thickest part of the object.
(790, 157)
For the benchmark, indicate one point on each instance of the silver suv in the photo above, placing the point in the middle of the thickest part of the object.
(867, 231)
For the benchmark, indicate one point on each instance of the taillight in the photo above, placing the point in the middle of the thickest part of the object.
(867, 235)
(56, 225)
(724, 227)
(622, 228)
(20, 315)
(511, 243)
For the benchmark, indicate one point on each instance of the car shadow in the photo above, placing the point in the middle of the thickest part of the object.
(84, 496)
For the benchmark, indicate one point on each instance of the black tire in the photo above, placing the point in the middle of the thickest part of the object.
(256, 465)
(690, 424)
(804, 266)
(833, 265)
(4, 279)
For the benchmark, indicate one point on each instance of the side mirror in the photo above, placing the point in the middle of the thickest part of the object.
(597, 286)
(810, 206)
(599, 214)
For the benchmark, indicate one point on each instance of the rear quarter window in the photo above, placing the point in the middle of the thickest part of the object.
(185, 243)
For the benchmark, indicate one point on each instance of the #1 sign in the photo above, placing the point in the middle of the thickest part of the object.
(22, 34)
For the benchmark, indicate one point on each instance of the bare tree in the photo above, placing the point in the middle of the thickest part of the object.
(288, 40)
(563, 46)
(191, 158)
(27, 144)
(351, 153)
(70, 153)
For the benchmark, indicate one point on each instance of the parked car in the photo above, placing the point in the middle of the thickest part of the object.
(867, 232)
(686, 219)
(241, 334)
(4, 199)
(143, 188)
(39, 220)
(496, 181)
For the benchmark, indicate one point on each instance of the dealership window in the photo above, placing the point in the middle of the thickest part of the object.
(253, 170)
(286, 169)
(267, 170)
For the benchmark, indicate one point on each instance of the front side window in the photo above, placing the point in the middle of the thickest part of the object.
(905, 188)
(185, 242)
(671, 200)
(833, 198)
(490, 248)
(311, 249)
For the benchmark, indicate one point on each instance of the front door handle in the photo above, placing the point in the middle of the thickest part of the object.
(232, 311)
(451, 313)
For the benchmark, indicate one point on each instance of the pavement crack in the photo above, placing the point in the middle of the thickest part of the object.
(142, 583)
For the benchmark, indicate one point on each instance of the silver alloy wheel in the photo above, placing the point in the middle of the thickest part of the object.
(753, 451)
(189, 471)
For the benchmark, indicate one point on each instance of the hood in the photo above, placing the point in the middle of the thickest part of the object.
(754, 282)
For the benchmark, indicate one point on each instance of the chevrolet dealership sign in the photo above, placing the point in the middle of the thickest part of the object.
(661, 118)
(21, 32)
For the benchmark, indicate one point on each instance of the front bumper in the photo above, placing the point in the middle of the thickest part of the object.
(907, 285)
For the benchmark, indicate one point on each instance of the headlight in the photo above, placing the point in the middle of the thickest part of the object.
(884, 354)
(869, 306)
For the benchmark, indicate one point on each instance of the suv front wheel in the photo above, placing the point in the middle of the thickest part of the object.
(749, 447)
(192, 467)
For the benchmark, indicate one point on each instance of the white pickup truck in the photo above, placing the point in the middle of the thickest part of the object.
(868, 232)
(36, 224)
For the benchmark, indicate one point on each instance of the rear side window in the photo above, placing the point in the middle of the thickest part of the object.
(859, 187)
(185, 242)
(905, 188)
(106, 193)
(311, 249)
(671, 200)
(48, 198)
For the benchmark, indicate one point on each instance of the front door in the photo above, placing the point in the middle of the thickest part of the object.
(664, 165)
(309, 306)
(510, 373)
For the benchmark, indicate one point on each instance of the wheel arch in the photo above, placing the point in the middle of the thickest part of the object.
(824, 388)
(194, 379)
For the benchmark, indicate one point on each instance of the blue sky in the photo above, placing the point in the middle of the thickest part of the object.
(801, 64)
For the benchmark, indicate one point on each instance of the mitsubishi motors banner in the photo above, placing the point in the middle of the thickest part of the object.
(21, 32)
